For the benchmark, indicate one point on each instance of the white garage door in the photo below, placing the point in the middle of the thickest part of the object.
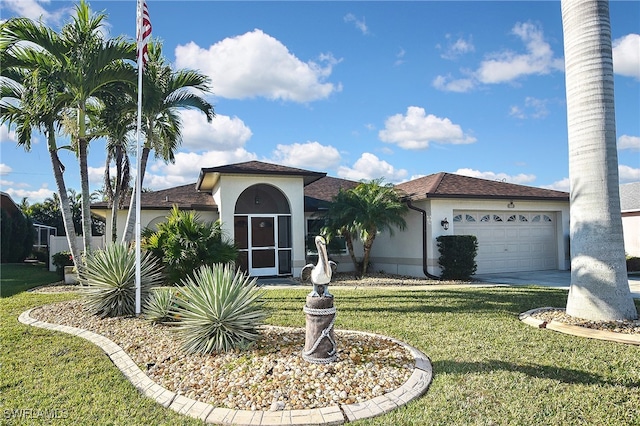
(510, 241)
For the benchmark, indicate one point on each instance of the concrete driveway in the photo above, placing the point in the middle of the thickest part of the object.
(555, 279)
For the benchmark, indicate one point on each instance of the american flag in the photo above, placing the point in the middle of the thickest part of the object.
(144, 34)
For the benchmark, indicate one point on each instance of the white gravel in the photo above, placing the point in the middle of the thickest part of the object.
(269, 376)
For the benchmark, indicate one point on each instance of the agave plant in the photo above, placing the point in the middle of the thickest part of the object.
(218, 309)
(110, 284)
(158, 307)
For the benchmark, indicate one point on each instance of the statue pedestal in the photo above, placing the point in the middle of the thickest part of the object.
(320, 340)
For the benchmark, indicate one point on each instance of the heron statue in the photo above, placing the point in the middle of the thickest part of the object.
(321, 272)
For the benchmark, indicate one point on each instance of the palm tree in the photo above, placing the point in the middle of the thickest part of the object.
(94, 68)
(32, 97)
(599, 282)
(339, 221)
(164, 93)
(366, 210)
(86, 67)
(117, 121)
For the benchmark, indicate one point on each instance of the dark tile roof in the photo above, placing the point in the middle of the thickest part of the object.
(449, 185)
(262, 168)
(320, 192)
(185, 197)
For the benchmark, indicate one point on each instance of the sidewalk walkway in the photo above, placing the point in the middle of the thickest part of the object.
(552, 278)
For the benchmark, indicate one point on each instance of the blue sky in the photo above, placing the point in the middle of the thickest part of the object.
(360, 90)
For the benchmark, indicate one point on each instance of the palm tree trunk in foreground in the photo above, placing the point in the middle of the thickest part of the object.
(599, 284)
(65, 208)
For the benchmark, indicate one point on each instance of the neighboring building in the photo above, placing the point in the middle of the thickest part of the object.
(269, 209)
(630, 208)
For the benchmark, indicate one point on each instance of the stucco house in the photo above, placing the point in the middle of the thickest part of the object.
(269, 209)
(630, 208)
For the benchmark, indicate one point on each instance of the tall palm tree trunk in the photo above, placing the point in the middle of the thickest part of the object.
(86, 195)
(599, 283)
(67, 216)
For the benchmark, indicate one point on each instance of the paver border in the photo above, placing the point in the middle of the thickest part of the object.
(575, 330)
(413, 388)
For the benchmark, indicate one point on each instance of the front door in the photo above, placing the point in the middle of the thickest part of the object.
(262, 246)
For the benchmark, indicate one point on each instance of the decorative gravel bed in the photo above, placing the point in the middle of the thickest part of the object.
(271, 375)
(557, 314)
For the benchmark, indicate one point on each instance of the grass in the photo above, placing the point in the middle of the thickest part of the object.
(489, 368)
(19, 277)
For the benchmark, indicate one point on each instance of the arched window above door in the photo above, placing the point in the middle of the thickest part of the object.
(262, 198)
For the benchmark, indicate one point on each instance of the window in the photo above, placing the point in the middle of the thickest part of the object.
(337, 245)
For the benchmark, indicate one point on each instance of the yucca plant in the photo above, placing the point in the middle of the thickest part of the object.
(158, 307)
(218, 309)
(110, 283)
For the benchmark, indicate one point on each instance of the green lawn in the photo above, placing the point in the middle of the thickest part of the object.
(489, 368)
(18, 277)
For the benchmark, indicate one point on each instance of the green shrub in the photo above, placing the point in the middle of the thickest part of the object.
(183, 243)
(218, 310)
(633, 264)
(17, 239)
(457, 256)
(62, 259)
(110, 279)
(159, 305)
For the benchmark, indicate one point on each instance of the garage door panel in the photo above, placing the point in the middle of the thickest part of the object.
(510, 242)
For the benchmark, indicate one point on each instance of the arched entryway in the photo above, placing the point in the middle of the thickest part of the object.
(262, 231)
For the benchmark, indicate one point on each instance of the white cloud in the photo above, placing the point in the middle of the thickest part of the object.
(560, 185)
(370, 167)
(223, 133)
(28, 8)
(626, 56)
(4, 169)
(33, 196)
(187, 165)
(533, 108)
(96, 175)
(456, 48)
(449, 84)
(628, 174)
(629, 142)
(359, 23)
(517, 179)
(310, 155)
(416, 130)
(507, 66)
(7, 135)
(256, 64)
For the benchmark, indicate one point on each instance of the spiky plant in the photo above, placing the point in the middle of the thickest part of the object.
(110, 282)
(218, 309)
(158, 307)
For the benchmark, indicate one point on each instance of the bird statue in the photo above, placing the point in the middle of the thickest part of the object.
(321, 272)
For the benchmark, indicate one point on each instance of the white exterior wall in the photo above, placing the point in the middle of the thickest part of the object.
(631, 229)
(147, 217)
(229, 188)
(60, 243)
(402, 254)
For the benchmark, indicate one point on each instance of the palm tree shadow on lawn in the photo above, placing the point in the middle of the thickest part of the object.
(536, 371)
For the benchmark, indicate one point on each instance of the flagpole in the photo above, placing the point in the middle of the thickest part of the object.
(138, 155)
